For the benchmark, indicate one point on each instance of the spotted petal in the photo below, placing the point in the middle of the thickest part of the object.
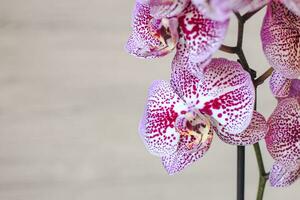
(282, 87)
(280, 39)
(199, 36)
(167, 8)
(280, 176)
(256, 131)
(157, 127)
(283, 137)
(184, 157)
(183, 80)
(216, 9)
(226, 93)
(295, 88)
(151, 37)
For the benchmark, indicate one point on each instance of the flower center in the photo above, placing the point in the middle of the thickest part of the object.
(196, 125)
(167, 35)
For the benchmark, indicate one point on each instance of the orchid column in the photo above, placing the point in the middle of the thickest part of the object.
(208, 96)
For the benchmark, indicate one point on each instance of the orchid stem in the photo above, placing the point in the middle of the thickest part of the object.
(240, 172)
(228, 49)
(241, 23)
(260, 80)
(248, 15)
(263, 176)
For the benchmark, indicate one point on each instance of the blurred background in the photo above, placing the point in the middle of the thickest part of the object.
(70, 103)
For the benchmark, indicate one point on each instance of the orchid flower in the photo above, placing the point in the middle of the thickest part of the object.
(280, 39)
(180, 118)
(155, 37)
(221, 9)
(151, 37)
(283, 137)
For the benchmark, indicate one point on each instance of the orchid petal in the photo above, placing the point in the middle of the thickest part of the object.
(138, 47)
(280, 176)
(256, 131)
(293, 5)
(192, 69)
(184, 157)
(283, 137)
(280, 39)
(280, 85)
(157, 127)
(226, 92)
(151, 38)
(167, 8)
(183, 81)
(221, 9)
(199, 36)
(295, 88)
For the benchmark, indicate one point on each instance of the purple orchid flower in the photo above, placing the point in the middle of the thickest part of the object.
(280, 39)
(180, 118)
(151, 37)
(283, 137)
(155, 37)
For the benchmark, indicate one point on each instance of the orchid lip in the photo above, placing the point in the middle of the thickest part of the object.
(196, 124)
(166, 35)
(167, 38)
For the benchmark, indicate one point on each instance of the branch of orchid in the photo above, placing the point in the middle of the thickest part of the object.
(240, 36)
(228, 49)
(248, 15)
(244, 63)
(242, 20)
(260, 80)
(263, 176)
(261, 167)
(261, 188)
(238, 48)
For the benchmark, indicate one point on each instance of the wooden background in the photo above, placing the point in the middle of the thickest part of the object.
(70, 103)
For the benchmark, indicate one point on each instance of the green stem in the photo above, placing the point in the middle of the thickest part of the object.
(259, 160)
(263, 176)
(261, 188)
